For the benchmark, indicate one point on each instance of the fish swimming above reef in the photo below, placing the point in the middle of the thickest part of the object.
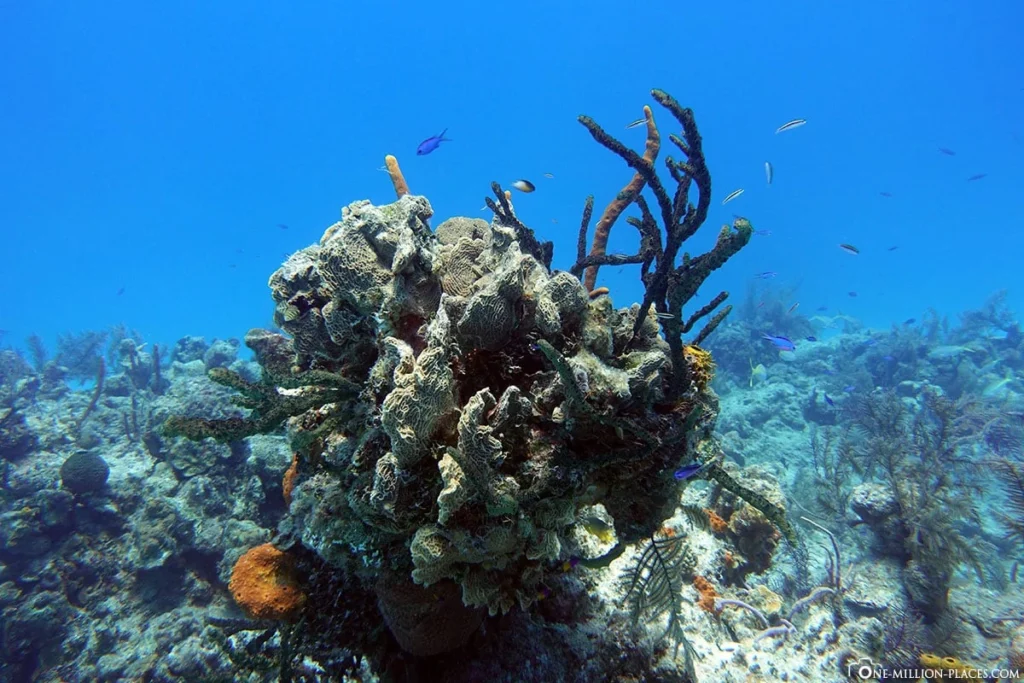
(599, 527)
(790, 125)
(769, 173)
(732, 195)
(524, 186)
(687, 471)
(758, 373)
(781, 343)
(432, 143)
(999, 388)
(948, 351)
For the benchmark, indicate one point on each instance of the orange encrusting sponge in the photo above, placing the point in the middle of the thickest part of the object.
(263, 584)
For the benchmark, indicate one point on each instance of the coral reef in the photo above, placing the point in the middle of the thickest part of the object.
(451, 462)
(453, 404)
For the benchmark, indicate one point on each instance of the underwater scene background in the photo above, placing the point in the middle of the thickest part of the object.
(653, 343)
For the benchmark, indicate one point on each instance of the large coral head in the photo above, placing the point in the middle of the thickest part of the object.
(263, 584)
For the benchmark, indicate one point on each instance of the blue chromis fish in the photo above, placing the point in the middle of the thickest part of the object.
(687, 471)
(432, 143)
(829, 401)
(790, 125)
(812, 339)
(781, 343)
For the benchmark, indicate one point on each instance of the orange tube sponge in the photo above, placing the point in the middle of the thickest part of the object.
(622, 200)
(397, 179)
(263, 584)
(288, 482)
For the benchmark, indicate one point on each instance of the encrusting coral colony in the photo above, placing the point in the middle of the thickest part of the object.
(453, 403)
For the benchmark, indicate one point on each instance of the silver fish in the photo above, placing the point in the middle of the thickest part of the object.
(731, 196)
(638, 122)
(790, 125)
(664, 316)
(768, 172)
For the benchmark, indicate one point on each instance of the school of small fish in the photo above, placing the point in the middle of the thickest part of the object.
(783, 344)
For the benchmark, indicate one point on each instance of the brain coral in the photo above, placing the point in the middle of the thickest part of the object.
(263, 584)
(84, 472)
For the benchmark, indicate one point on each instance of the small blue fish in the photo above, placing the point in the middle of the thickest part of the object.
(766, 275)
(781, 343)
(849, 388)
(812, 339)
(821, 308)
(687, 471)
(888, 358)
(910, 321)
(829, 401)
(432, 143)
(829, 372)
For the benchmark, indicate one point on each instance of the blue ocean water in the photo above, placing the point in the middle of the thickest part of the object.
(151, 152)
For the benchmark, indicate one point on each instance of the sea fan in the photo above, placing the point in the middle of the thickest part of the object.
(698, 517)
(654, 583)
(904, 637)
(1011, 477)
